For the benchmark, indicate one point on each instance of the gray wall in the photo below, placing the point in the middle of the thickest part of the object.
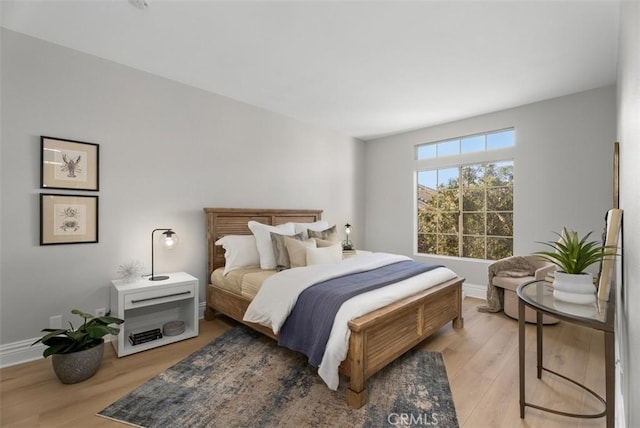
(563, 157)
(166, 151)
(628, 328)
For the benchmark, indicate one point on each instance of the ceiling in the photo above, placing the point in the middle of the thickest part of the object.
(365, 69)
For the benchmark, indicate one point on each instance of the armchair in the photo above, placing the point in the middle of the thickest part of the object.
(506, 275)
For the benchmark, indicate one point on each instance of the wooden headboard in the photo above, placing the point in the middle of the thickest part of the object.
(233, 221)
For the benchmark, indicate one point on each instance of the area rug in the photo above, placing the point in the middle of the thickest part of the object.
(244, 379)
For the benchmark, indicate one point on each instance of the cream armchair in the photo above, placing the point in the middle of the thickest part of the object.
(507, 274)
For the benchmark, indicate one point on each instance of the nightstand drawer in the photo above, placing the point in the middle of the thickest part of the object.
(154, 297)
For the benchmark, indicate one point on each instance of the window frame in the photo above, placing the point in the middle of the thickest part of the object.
(504, 154)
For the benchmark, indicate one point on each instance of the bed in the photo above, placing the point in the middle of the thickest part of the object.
(377, 338)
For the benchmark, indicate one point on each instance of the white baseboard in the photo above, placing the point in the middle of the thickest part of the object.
(20, 352)
(474, 290)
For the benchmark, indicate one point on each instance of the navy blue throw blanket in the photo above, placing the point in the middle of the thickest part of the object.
(308, 326)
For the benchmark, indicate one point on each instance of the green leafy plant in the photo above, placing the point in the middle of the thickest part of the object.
(88, 335)
(573, 254)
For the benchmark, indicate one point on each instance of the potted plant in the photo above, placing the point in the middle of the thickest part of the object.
(573, 255)
(77, 353)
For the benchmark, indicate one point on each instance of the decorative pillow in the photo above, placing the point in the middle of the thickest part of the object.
(330, 234)
(302, 227)
(240, 251)
(263, 240)
(280, 251)
(298, 250)
(325, 255)
(320, 243)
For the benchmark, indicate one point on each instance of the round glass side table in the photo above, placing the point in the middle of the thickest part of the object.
(538, 295)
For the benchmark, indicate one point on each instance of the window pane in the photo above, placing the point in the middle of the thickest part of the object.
(427, 221)
(427, 243)
(448, 245)
(500, 199)
(472, 175)
(500, 224)
(473, 199)
(448, 200)
(473, 223)
(428, 178)
(447, 148)
(499, 140)
(448, 177)
(472, 144)
(427, 151)
(473, 247)
(426, 198)
(448, 222)
(498, 248)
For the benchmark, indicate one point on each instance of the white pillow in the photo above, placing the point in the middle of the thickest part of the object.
(324, 255)
(240, 251)
(302, 227)
(262, 232)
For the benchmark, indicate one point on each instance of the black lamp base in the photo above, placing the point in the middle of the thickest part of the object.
(158, 278)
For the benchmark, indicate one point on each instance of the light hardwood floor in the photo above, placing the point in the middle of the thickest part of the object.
(481, 361)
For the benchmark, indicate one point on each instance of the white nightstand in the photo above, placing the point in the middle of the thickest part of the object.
(146, 305)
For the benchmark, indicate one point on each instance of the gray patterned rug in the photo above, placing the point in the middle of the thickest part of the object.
(243, 379)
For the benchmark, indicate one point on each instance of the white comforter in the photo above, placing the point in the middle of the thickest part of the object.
(279, 293)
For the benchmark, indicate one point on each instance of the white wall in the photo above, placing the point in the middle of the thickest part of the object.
(166, 151)
(563, 175)
(629, 136)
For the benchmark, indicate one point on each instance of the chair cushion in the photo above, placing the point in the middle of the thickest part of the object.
(509, 283)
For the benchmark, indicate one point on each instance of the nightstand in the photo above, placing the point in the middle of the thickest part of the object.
(352, 253)
(146, 306)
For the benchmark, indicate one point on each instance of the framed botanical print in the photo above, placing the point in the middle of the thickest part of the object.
(68, 164)
(68, 219)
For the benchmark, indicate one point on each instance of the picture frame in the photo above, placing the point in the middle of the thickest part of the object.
(616, 175)
(68, 219)
(612, 240)
(69, 164)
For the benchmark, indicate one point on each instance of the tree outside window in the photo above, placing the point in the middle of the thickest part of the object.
(466, 211)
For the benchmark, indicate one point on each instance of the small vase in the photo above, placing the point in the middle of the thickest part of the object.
(574, 288)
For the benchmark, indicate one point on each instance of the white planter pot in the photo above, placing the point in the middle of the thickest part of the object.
(574, 288)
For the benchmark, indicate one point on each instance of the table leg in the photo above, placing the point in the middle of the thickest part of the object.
(521, 350)
(610, 373)
(539, 341)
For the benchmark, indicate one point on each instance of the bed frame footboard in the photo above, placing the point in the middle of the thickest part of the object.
(382, 336)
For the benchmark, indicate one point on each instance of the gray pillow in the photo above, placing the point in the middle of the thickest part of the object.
(330, 234)
(280, 250)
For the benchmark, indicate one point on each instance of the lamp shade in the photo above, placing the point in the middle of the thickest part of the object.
(169, 239)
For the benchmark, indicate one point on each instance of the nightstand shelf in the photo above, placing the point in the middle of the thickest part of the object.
(145, 305)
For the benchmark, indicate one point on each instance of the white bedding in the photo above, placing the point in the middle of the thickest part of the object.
(279, 293)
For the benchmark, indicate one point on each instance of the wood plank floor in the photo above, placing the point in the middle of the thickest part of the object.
(481, 361)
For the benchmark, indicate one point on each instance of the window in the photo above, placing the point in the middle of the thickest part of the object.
(474, 143)
(466, 210)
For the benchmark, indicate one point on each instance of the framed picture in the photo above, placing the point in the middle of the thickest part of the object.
(68, 219)
(616, 175)
(612, 240)
(67, 164)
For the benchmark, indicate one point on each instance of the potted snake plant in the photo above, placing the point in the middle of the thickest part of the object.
(77, 352)
(573, 255)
